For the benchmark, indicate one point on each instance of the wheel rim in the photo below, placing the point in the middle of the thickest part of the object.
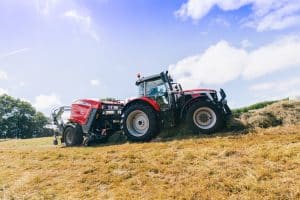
(204, 118)
(137, 123)
(69, 137)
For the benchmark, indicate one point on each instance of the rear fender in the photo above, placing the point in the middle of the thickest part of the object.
(190, 102)
(143, 100)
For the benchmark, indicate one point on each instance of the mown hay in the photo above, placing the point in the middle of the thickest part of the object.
(281, 113)
(263, 164)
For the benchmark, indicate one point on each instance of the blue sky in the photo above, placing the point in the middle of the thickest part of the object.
(55, 51)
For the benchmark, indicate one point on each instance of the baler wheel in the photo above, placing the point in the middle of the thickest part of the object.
(73, 136)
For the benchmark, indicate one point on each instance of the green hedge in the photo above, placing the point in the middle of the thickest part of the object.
(239, 111)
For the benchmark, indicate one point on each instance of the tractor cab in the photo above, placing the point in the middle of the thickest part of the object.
(160, 88)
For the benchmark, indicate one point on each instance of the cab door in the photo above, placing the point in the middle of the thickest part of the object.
(157, 90)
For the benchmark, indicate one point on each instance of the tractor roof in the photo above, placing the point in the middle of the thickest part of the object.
(148, 78)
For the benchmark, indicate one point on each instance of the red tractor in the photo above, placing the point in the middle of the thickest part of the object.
(161, 104)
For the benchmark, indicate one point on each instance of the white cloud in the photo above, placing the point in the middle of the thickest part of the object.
(278, 55)
(70, 9)
(85, 21)
(222, 22)
(44, 7)
(282, 88)
(218, 64)
(3, 75)
(245, 44)
(80, 18)
(22, 83)
(267, 14)
(3, 91)
(43, 102)
(262, 86)
(95, 82)
(223, 62)
(14, 52)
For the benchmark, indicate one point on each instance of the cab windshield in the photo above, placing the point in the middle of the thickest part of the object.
(153, 88)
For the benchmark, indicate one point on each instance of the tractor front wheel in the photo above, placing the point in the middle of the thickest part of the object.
(203, 117)
(139, 123)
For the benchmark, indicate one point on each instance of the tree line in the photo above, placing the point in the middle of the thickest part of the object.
(19, 119)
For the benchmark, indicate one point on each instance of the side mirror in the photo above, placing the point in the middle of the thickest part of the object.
(176, 87)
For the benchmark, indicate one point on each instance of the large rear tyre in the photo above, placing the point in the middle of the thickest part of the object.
(204, 117)
(73, 136)
(140, 123)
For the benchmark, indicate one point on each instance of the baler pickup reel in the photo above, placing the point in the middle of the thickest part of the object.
(58, 121)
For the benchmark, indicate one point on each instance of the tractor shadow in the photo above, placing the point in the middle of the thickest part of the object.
(182, 133)
(233, 128)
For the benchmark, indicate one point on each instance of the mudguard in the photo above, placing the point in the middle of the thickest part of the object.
(189, 102)
(146, 100)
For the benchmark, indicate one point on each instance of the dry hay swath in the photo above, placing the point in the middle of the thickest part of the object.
(281, 113)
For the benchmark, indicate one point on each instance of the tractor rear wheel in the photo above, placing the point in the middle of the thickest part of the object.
(73, 136)
(140, 123)
(203, 117)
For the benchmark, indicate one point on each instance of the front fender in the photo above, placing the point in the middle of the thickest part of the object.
(189, 103)
(143, 100)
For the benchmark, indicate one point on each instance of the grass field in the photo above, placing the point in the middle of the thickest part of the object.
(263, 164)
